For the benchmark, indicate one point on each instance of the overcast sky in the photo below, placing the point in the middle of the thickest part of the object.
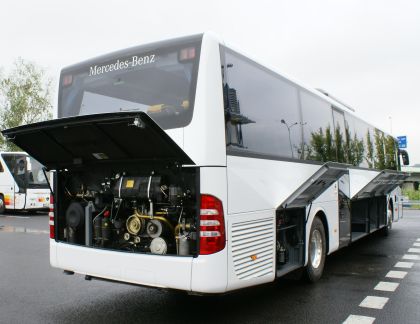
(365, 52)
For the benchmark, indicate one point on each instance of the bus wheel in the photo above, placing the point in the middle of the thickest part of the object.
(390, 213)
(316, 251)
(2, 206)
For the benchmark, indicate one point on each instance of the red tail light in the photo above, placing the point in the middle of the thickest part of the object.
(212, 225)
(51, 216)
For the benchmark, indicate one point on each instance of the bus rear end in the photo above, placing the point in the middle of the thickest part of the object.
(135, 197)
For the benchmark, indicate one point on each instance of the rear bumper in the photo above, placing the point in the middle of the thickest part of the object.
(141, 269)
(203, 274)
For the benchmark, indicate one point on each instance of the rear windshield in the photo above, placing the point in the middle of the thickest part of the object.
(159, 79)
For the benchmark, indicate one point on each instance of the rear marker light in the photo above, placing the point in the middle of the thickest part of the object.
(51, 217)
(186, 54)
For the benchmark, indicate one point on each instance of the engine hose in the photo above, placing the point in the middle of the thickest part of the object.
(163, 219)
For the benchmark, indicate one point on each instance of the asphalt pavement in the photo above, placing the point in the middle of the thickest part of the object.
(33, 292)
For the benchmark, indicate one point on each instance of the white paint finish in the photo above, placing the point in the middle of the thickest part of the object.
(396, 274)
(416, 244)
(418, 240)
(327, 203)
(264, 253)
(374, 302)
(358, 319)
(214, 267)
(359, 179)
(257, 184)
(213, 181)
(386, 286)
(210, 273)
(177, 135)
(407, 265)
(413, 250)
(144, 269)
(204, 137)
(411, 257)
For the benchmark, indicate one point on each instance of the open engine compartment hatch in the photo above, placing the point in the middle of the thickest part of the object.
(382, 184)
(94, 139)
(315, 185)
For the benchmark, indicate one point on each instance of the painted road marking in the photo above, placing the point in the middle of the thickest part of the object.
(396, 274)
(25, 217)
(416, 244)
(374, 302)
(407, 265)
(387, 286)
(411, 257)
(413, 250)
(357, 319)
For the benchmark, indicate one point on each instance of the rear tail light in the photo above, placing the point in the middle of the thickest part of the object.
(212, 225)
(51, 216)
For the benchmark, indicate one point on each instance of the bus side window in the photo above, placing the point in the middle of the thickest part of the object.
(261, 108)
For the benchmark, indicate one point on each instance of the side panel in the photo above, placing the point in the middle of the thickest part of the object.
(257, 184)
(251, 249)
(256, 188)
(209, 272)
(326, 203)
(37, 199)
(204, 137)
(359, 179)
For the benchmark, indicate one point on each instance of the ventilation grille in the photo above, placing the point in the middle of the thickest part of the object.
(253, 244)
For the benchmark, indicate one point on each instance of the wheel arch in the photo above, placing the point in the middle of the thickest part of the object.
(321, 215)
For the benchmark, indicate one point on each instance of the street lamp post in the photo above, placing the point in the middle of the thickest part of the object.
(288, 129)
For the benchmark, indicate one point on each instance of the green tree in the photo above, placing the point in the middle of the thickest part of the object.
(358, 151)
(25, 97)
(339, 144)
(370, 151)
(330, 148)
(390, 153)
(380, 150)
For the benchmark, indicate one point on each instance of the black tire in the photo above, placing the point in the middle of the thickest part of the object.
(2, 206)
(315, 266)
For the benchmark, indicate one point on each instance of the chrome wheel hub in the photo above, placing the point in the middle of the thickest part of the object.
(316, 248)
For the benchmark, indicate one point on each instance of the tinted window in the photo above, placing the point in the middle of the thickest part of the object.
(355, 147)
(386, 151)
(318, 142)
(391, 158)
(262, 111)
(159, 79)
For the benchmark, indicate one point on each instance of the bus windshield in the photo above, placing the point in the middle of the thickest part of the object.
(26, 171)
(159, 79)
(35, 174)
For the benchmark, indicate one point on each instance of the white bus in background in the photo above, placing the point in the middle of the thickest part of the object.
(184, 164)
(23, 185)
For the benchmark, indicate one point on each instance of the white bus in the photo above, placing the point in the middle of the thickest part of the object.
(184, 164)
(23, 185)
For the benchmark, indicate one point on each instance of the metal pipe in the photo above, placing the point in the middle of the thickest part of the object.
(163, 219)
